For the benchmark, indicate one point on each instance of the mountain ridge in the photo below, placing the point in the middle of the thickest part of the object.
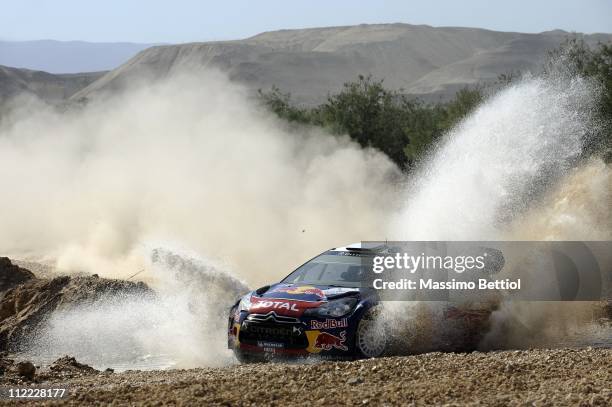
(313, 62)
(50, 87)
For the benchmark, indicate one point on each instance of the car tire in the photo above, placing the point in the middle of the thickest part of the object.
(244, 358)
(371, 335)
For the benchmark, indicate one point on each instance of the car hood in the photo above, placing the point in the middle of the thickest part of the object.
(294, 299)
(307, 292)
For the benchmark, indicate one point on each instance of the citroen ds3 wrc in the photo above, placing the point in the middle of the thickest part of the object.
(321, 309)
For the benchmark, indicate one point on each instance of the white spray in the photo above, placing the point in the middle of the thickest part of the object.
(207, 170)
(487, 168)
(507, 172)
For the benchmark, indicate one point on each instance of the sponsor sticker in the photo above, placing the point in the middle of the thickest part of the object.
(286, 305)
(279, 331)
(264, 344)
(281, 306)
(329, 324)
(270, 347)
(301, 289)
(327, 341)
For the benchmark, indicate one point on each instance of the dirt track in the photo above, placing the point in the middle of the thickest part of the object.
(536, 377)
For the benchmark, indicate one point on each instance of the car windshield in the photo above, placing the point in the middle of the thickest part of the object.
(340, 269)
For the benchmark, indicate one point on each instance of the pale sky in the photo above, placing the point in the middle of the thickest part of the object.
(175, 21)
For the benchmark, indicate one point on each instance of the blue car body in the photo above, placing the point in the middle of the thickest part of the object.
(303, 315)
(326, 308)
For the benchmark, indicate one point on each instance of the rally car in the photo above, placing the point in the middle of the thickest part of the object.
(324, 308)
(320, 309)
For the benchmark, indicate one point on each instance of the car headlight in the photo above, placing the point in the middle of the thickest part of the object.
(335, 308)
(245, 303)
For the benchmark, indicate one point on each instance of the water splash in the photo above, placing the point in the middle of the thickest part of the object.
(490, 166)
(182, 325)
(512, 170)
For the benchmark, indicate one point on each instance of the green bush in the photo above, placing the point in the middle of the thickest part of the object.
(378, 117)
(405, 129)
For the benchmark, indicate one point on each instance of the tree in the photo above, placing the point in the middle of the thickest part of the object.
(370, 114)
(377, 117)
(280, 103)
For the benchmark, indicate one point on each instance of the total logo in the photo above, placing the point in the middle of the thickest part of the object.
(289, 306)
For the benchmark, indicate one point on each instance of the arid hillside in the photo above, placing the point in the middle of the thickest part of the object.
(46, 86)
(312, 63)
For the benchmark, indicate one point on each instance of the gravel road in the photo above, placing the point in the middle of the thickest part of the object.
(533, 377)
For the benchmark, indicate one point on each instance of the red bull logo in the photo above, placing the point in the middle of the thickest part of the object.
(327, 341)
(301, 289)
(329, 324)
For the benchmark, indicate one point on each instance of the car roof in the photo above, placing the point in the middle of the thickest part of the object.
(360, 247)
(352, 246)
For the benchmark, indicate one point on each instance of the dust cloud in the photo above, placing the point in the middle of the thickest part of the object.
(206, 194)
(192, 163)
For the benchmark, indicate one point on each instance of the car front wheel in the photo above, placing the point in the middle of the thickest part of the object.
(371, 337)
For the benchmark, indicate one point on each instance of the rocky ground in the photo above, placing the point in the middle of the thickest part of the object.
(25, 300)
(533, 377)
